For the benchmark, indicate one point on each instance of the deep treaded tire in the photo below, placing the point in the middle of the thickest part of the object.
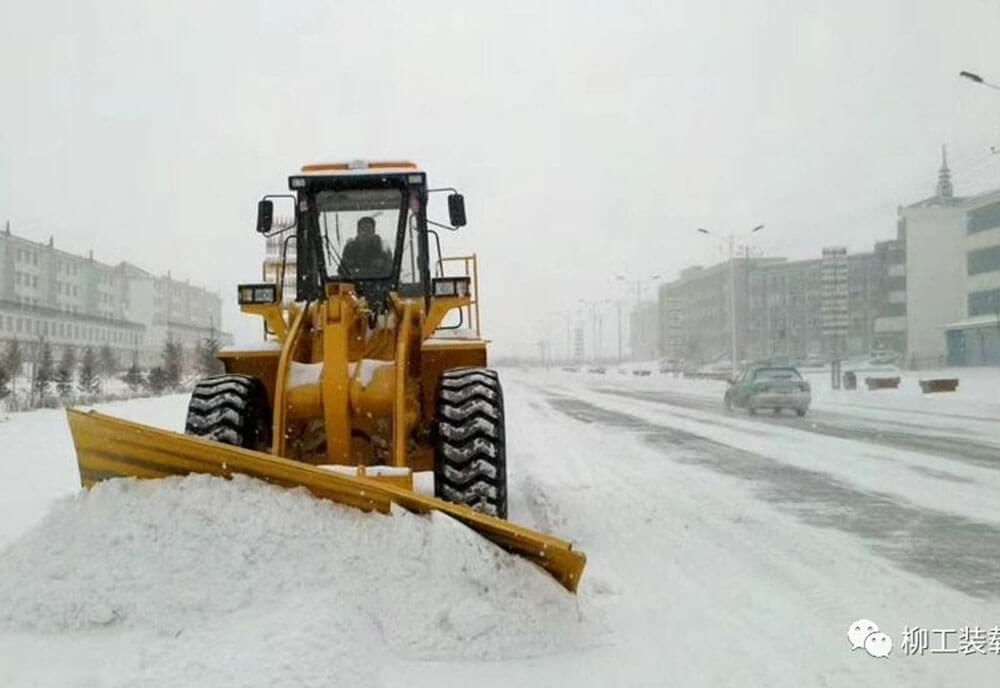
(470, 458)
(231, 409)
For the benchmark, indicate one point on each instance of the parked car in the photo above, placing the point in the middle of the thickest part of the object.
(770, 387)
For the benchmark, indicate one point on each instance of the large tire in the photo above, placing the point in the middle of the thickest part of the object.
(231, 409)
(470, 458)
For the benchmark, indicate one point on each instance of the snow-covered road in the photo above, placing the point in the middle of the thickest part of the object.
(723, 550)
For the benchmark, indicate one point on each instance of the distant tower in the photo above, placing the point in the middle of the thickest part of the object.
(944, 187)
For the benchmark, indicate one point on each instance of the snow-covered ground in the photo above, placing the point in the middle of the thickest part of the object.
(723, 550)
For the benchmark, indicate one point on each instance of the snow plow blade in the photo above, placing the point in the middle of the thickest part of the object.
(108, 447)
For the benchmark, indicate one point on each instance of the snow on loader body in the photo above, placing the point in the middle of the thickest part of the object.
(376, 368)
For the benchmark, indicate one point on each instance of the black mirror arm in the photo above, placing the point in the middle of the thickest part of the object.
(437, 240)
(442, 226)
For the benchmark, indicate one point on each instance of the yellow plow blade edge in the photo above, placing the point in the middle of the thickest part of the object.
(108, 447)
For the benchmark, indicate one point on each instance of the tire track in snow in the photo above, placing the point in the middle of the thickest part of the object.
(955, 551)
(910, 437)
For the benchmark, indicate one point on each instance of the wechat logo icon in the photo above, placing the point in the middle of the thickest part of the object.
(865, 634)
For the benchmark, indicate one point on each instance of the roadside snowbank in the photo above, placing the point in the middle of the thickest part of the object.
(185, 554)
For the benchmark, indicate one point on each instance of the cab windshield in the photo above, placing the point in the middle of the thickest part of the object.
(358, 229)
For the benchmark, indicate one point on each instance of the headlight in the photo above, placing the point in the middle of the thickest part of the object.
(454, 287)
(257, 293)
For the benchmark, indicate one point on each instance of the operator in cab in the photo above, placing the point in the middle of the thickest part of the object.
(364, 255)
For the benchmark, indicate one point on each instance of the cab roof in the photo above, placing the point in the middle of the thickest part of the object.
(356, 167)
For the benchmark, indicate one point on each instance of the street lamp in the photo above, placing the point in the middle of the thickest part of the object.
(731, 238)
(596, 323)
(971, 76)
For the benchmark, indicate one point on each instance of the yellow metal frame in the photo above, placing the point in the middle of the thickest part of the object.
(470, 266)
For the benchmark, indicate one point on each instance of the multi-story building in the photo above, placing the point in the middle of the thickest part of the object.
(890, 295)
(671, 333)
(72, 300)
(834, 302)
(783, 309)
(785, 315)
(975, 338)
(863, 280)
(952, 277)
(644, 330)
(700, 294)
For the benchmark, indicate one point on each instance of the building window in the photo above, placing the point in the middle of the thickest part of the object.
(983, 219)
(986, 302)
(984, 260)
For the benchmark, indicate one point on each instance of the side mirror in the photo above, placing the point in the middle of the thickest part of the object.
(265, 215)
(456, 210)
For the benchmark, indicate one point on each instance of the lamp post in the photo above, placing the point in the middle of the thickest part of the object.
(638, 303)
(731, 240)
(596, 324)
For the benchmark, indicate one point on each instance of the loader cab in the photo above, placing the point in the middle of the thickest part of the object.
(360, 223)
(365, 225)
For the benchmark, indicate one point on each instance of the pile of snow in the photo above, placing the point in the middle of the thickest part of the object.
(190, 554)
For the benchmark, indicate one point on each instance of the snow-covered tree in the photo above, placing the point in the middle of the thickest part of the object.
(66, 371)
(156, 381)
(13, 362)
(4, 380)
(133, 376)
(44, 372)
(88, 379)
(208, 351)
(109, 365)
(173, 363)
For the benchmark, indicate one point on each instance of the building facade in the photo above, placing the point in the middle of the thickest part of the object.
(784, 310)
(952, 277)
(890, 323)
(76, 301)
(644, 331)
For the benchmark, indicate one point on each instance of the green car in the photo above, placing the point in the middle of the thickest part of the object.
(768, 387)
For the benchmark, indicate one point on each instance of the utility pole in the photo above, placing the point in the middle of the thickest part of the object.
(620, 331)
(732, 304)
(637, 335)
(732, 290)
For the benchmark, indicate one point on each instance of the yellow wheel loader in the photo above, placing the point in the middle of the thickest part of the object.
(372, 370)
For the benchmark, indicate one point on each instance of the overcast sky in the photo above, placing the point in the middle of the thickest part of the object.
(589, 138)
